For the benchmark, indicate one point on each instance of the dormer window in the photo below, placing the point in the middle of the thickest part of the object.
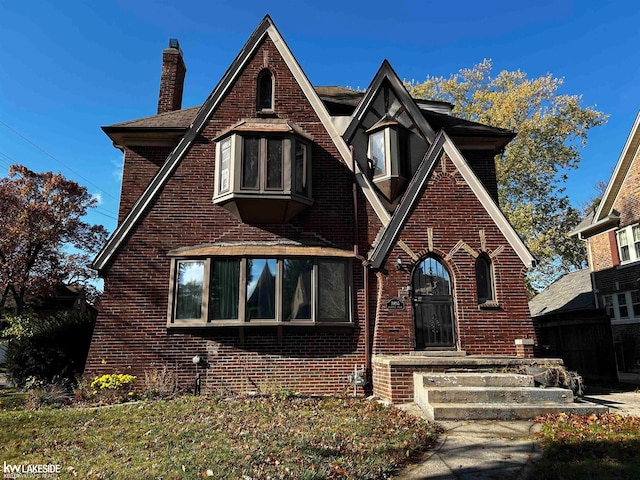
(388, 156)
(265, 91)
(378, 153)
(263, 170)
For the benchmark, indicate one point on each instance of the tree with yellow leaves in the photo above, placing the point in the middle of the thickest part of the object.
(551, 129)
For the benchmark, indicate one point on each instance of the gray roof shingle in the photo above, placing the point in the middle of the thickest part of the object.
(572, 291)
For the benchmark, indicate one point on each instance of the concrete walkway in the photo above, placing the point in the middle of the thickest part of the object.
(620, 402)
(496, 450)
(481, 449)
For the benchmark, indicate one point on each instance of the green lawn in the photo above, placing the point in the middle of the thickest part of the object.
(602, 447)
(235, 438)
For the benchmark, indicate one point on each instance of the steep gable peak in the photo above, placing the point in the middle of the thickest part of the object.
(219, 93)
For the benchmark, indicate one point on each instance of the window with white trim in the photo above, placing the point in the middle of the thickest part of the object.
(629, 243)
(623, 307)
(226, 291)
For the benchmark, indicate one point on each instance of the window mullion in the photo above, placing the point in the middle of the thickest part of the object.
(278, 293)
(205, 290)
(243, 291)
(262, 157)
(314, 291)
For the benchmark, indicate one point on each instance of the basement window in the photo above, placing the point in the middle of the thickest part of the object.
(222, 291)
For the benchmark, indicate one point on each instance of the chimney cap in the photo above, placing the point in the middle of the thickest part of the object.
(174, 44)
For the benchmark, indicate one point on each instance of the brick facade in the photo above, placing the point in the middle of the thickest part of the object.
(450, 210)
(132, 336)
(613, 278)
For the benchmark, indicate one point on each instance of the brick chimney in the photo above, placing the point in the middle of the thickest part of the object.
(172, 78)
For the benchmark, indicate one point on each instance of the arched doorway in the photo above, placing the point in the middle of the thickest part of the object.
(433, 313)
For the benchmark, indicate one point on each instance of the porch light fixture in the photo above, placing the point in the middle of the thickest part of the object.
(196, 388)
(399, 265)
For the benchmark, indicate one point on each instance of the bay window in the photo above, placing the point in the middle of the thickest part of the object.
(221, 291)
(263, 171)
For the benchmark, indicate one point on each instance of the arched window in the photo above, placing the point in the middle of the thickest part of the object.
(484, 279)
(431, 277)
(265, 90)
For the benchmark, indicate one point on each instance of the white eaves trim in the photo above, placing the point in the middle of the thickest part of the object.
(490, 206)
(630, 151)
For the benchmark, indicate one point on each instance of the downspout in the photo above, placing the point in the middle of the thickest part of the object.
(365, 272)
(591, 269)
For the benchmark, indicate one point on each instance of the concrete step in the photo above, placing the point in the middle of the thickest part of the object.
(478, 379)
(438, 353)
(500, 395)
(506, 411)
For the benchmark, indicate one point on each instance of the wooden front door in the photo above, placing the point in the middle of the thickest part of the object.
(433, 312)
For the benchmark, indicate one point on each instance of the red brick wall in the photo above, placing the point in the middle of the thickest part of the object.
(608, 278)
(601, 257)
(131, 333)
(140, 166)
(628, 200)
(483, 164)
(451, 209)
(628, 205)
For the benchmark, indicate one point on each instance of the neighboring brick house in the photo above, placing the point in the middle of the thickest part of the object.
(288, 234)
(612, 234)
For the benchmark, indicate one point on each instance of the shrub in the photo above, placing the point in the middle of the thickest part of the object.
(48, 348)
(51, 395)
(160, 383)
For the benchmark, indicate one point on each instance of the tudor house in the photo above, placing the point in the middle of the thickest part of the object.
(612, 235)
(289, 235)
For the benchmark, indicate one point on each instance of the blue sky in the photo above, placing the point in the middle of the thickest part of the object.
(68, 68)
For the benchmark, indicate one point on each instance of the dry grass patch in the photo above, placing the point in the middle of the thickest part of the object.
(195, 437)
(604, 446)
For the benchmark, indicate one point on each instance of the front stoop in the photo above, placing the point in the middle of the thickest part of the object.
(492, 396)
